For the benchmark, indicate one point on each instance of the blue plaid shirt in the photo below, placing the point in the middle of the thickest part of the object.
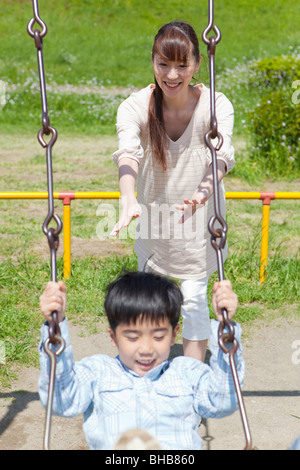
(168, 401)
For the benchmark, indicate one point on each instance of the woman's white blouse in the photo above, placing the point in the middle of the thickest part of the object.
(179, 250)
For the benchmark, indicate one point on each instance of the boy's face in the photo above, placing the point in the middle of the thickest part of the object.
(144, 345)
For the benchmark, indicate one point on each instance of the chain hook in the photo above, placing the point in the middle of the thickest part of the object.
(52, 356)
(211, 27)
(36, 19)
(50, 130)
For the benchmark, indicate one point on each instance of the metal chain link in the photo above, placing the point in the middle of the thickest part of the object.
(52, 234)
(226, 333)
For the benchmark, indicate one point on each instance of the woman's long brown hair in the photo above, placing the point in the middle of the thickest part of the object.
(172, 42)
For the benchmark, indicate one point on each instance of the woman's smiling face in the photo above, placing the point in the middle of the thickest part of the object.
(174, 77)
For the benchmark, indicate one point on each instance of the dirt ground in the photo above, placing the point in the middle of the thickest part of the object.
(271, 396)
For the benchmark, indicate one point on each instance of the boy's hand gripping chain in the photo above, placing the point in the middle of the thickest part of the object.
(51, 233)
(220, 232)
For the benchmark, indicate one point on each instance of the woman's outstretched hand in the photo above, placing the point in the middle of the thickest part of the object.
(130, 210)
(190, 206)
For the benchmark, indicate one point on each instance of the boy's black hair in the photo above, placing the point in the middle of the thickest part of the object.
(149, 295)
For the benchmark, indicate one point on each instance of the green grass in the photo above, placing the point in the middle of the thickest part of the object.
(110, 40)
(107, 44)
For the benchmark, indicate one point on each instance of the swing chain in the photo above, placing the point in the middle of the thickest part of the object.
(38, 39)
(226, 333)
(214, 141)
(52, 234)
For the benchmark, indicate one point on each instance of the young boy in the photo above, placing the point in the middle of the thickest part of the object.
(141, 388)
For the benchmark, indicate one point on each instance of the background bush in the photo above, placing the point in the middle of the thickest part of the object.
(275, 72)
(275, 121)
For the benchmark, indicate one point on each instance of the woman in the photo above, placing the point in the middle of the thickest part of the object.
(161, 132)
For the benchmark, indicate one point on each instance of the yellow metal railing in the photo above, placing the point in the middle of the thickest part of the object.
(68, 196)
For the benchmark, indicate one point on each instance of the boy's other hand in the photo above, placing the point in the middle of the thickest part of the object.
(224, 297)
(53, 298)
